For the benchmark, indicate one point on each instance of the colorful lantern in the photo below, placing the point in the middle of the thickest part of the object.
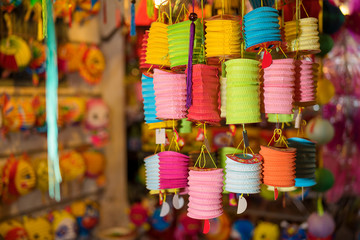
(302, 36)
(262, 29)
(242, 91)
(157, 51)
(170, 94)
(222, 38)
(305, 161)
(279, 84)
(178, 38)
(205, 193)
(205, 95)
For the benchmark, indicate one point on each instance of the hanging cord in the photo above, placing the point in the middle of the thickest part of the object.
(242, 23)
(244, 140)
(278, 138)
(174, 140)
(204, 149)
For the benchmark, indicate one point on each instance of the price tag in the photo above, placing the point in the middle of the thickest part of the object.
(160, 136)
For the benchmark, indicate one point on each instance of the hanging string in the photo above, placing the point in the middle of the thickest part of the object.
(44, 17)
(278, 138)
(301, 3)
(242, 22)
(321, 12)
(132, 23)
(192, 17)
(170, 13)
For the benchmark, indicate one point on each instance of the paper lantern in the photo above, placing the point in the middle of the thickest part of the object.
(302, 36)
(170, 94)
(262, 29)
(72, 165)
(148, 94)
(178, 38)
(305, 161)
(321, 226)
(142, 62)
(279, 166)
(205, 193)
(278, 87)
(242, 91)
(205, 95)
(305, 82)
(166, 170)
(243, 173)
(223, 97)
(157, 51)
(326, 44)
(280, 118)
(14, 53)
(320, 130)
(325, 180)
(38, 228)
(222, 38)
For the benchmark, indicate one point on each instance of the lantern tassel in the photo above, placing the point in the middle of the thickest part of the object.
(189, 70)
(132, 26)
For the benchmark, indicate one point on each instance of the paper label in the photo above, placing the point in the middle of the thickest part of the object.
(160, 136)
(242, 205)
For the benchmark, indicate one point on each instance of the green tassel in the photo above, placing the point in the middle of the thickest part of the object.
(150, 8)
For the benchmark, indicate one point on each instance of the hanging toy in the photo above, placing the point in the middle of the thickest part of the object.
(15, 53)
(320, 130)
(92, 65)
(39, 106)
(97, 121)
(18, 178)
(13, 230)
(86, 9)
(72, 165)
(161, 223)
(37, 64)
(242, 230)
(42, 175)
(320, 226)
(293, 231)
(138, 216)
(95, 166)
(63, 225)
(9, 5)
(220, 228)
(266, 230)
(87, 217)
(38, 228)
(64, 9)
(72, 109)
(70, 56)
